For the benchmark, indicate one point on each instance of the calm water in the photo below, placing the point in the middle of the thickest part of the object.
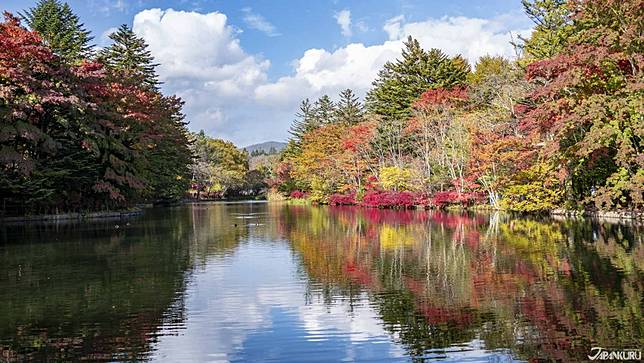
(270, 282)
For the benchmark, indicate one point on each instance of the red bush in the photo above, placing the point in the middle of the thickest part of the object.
(343, 199)
(387, 199)
(442, 199)
(298, 194)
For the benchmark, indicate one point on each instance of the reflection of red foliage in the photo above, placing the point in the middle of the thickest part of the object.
(436, 315)
(357, 274)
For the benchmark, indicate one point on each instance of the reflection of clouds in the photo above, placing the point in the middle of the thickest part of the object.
(251, 305)
(235, 297)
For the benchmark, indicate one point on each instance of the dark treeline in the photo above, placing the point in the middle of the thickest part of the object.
(83, 129)
(559, 127)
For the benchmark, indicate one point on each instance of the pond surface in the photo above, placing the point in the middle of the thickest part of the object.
(273, 282)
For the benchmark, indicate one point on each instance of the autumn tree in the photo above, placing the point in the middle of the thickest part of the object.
(440, 137)
(164, 155)
(585, 115)
(498, 151)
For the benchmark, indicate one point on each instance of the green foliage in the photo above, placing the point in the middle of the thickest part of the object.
(130, 57)
(401, 82)
(306, 121)
(60, 29)
(220, 167)
(349, 110)
(553, 26)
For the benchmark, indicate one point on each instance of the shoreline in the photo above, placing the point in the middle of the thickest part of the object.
(74, 216)
(557, 214)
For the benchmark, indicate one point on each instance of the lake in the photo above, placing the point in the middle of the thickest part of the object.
(275, 282)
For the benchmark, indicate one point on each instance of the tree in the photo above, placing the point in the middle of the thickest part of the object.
(349, 110)
(398, 85)
(585, 115)
(440, 137)
(498, 151)
(325, 110)
(401, 82)
(60, 29)
(129, 55)
(318, 166)
(165, 158)
(553, 26)
(219, 166)
(305, 121)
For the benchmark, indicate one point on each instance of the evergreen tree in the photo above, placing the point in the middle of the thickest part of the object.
(401, 82)
(349, 110)
(60, 29)
(325, 110)
(553, 20)
(129, 55)
(306, 120)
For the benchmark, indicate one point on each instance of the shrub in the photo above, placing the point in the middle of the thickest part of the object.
(442, 199)
(343, 199)
(298, 194)
(389, 199)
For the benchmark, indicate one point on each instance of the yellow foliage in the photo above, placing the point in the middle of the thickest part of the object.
(398, 179)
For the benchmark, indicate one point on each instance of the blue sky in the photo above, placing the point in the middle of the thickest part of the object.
(243, 66)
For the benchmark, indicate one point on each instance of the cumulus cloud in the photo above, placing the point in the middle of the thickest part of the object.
(343, 18)
(470, 37)
(258, 22)
(356, 65)
(202, 61)
(228, 93)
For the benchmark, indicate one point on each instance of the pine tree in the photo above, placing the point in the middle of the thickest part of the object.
(60, 29)
(325, 110)
(401, 82)
(553, 20)
(130, 57)
(305, 121)
(349, 110)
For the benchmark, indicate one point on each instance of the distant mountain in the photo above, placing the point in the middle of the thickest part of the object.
(267, 147)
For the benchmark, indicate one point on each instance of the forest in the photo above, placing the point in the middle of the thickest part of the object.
(560, 126)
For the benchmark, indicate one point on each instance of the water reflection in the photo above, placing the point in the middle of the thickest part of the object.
(262, 282)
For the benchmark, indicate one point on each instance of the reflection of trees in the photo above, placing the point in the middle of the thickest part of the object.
(96, 292)
(544, 289)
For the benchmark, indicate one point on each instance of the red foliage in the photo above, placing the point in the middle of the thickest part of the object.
(298, 194)
(343, 199)
(390, 199)
(442, 199)
(441, 96)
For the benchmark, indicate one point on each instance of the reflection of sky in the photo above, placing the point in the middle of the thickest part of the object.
(250, 306)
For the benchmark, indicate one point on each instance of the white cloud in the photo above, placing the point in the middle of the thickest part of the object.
(392, 26)
(356, 65)
(227, 91)
(470, 37)
(202, 61)
(343, 18)
(258, 22)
